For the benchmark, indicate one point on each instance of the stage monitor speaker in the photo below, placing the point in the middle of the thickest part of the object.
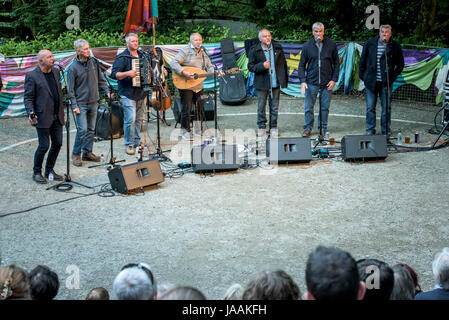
(135, 175)
(220, 157)
(294, 149)
(364, 147)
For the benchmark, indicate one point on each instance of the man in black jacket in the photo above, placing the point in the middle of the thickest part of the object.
(43, 103)
(318, 72)
(267, 61)
(377, 53)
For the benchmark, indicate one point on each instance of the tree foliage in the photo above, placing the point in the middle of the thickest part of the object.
(415, 21)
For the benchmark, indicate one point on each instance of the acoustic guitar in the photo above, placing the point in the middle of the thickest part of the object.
(199, 76)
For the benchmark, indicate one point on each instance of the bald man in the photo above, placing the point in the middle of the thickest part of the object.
(43, 104)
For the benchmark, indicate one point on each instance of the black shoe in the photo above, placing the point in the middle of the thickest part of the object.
(39, 178)
(56, 177)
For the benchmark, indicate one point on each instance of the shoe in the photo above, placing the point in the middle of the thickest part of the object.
(39, 178)
(274, 133)
(130, 150)
(76, 160)
(370, 132)
(91, 157)
(187, 136)
(56, 177)
(306, 133)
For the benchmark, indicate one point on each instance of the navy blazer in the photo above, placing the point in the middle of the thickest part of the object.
(436, 294)
(368, 62)
(39, 99)
(256, 59)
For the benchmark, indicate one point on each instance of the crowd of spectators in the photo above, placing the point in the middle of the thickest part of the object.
(331, 274)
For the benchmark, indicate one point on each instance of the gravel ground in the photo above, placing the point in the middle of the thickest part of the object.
(212, 231)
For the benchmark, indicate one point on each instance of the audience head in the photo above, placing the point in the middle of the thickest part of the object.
(13, 283)
(99, 293)
(414, 276)
(44, 283)
(331, 274)
(272, 285)
(440, 268)
(135, 282)
(163, 288)
(183, 293)
(403, 288)
(378, 278)
(234, 292)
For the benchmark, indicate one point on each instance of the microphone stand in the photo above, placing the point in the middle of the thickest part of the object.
(387, 104)
(68, 104)
(320, 138)
(270, 46)
(112, 160)
(215, 93)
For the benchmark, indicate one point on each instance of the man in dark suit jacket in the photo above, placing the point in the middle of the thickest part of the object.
(440, 268)
(267, 60)
(43, 103)
(372, 70)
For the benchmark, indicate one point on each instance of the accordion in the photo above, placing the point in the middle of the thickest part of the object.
(148, 69)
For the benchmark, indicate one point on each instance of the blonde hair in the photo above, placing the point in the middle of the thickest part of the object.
(13, 282)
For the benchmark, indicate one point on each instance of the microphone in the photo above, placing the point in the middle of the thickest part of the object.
(318, 39)
(384, 40)
(268, 45)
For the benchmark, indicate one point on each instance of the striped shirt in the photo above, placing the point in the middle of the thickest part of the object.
(380, 52)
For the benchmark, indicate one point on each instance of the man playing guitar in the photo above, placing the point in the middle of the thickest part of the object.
(193, 55)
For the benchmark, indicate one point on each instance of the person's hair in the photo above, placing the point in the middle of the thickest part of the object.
(440, 268)
(262, 30)
(183, 293)
(317, 25)
(135, 282)
(272, 285)
(331, 274)
(129, 35)
(13, 283)
(234, 292)
(403, 288)
(99, 293)
(414, 276)
(79, 44)
(194, 34)
(44, 283)
(385, 26)
(372, 268)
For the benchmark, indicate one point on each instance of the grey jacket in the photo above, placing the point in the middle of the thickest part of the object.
(83, 80)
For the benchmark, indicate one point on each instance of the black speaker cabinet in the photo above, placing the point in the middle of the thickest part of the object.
(364, 147)
(135, 175)
(220, 157)
(281, 150)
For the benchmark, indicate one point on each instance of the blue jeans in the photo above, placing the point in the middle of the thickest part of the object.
(371, 101)
(262, 96)
(325, 101)
(132, 120)
(86, 120)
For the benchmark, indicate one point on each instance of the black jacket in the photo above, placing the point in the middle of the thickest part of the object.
(256, 59)
(39, 99)
(368, 62)
(308, 64)
(123, 63)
